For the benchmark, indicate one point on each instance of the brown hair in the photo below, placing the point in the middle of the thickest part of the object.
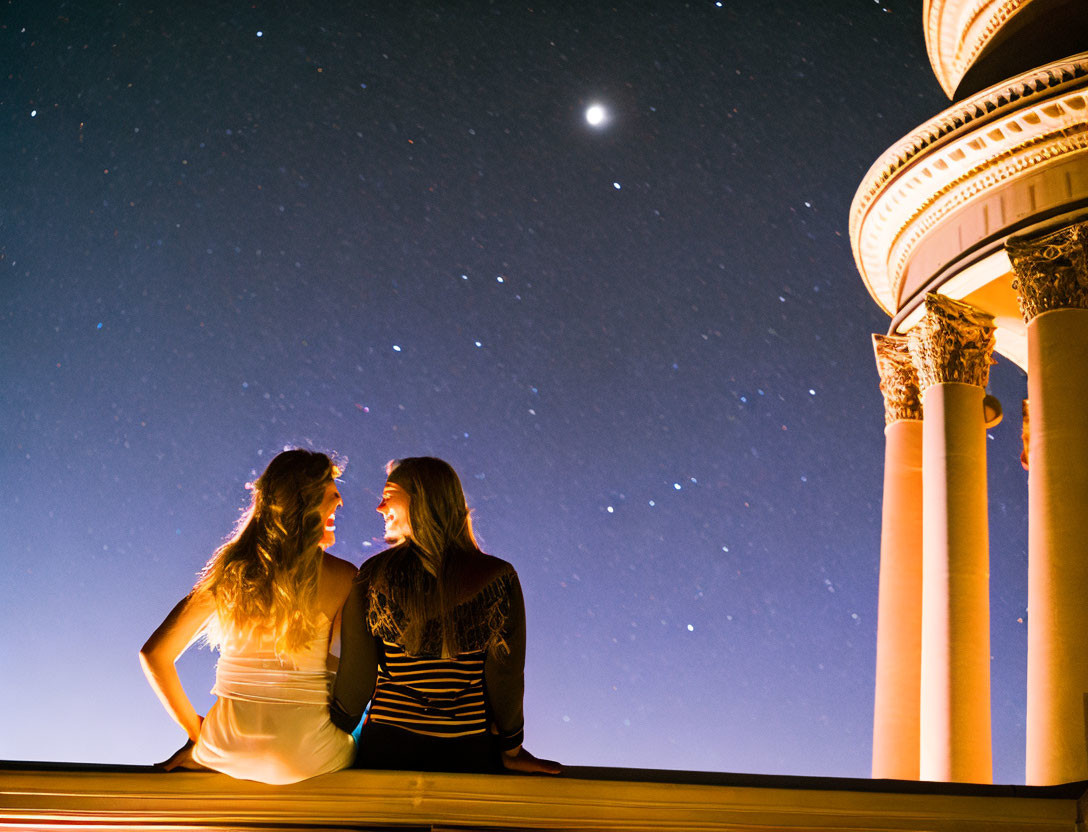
(265, 575)
(424, 575)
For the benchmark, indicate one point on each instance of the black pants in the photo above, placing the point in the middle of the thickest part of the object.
(384, 746)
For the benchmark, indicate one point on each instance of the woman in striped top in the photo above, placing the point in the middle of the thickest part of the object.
(433, 636)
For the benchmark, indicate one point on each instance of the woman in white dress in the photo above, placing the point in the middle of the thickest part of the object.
(270, 600)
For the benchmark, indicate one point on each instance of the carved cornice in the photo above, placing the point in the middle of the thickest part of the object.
(990, 138)
(1051, 270)
(958, 30)
(898, 378)
(952, 342)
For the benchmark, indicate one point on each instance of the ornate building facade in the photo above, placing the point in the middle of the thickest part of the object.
(972, 234)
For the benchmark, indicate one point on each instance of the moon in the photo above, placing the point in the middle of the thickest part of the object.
(596, 115)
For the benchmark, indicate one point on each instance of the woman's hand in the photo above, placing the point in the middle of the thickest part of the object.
(518, 759)
(181, 759)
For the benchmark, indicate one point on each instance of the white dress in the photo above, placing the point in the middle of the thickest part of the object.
(271, 721)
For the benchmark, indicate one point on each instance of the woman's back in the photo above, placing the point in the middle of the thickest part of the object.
(434, 637)
(271, 722)
(477, 598)
(250, 669)
(418, 688)
(268, 599)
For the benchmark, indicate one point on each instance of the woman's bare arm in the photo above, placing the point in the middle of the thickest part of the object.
(504, 678)
(358, 671)
(333, 588)
(180, 629)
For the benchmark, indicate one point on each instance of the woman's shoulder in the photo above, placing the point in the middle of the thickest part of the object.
(493, 567)
(338, 566)
(378, 561)
(336, 577)
(473, 572)
(480, 571)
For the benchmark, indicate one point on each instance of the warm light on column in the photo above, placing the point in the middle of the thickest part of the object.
(951, 348)
(1052, 285)
(899, 613)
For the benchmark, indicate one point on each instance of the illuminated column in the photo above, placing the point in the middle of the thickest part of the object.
(951, 349)
(1025, 431)
(899, 613)
(1052, 285)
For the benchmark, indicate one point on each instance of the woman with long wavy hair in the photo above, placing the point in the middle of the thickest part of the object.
(434, 638)
(269, 599)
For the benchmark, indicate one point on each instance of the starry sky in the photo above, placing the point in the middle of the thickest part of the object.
(388, 229)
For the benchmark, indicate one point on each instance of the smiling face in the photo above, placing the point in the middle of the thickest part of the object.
(329, 505)
(394, 508)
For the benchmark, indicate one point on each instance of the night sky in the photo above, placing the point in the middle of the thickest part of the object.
(387, 229)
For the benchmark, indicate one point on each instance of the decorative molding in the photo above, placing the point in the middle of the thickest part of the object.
(958, 30)
(898, 378)
(977, 182)
(953, 342)
(1051, 270)
(959, 157)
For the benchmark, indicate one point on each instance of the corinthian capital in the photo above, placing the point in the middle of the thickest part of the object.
(1051, 270)
(952, 342)
(898, 378)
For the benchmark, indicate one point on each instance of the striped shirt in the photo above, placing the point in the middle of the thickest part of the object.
(479, 690)
(433, 696)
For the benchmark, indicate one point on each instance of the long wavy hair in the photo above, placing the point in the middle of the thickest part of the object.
(424, 574)
(265, 576)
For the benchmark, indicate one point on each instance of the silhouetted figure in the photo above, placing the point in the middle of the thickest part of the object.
(434, 638)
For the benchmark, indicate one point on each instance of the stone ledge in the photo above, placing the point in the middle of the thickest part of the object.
(47, 796)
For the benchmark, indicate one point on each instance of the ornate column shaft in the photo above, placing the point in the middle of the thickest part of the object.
(1052, 285)
(899, 613)
(951, 349)
(1025, 431)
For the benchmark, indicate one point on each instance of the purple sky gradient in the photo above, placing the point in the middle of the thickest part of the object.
(386, 229)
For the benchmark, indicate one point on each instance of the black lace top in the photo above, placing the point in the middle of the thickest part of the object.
(478, 689)
(479, 622)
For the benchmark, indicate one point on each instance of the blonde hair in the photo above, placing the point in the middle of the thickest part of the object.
(265, 576)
